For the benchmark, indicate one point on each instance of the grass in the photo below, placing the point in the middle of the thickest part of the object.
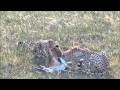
(96, 30)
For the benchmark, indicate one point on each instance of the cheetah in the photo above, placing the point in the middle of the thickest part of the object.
(56, 64)
(86, 60)
(42, 51)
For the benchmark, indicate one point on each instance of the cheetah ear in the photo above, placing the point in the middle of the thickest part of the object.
(19, 43)
(86, 49)
(103, 53)
(57, 43)
(50, 41)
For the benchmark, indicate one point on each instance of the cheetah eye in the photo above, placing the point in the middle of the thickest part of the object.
(57, 46)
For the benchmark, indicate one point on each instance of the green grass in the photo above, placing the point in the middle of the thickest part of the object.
(95, 30)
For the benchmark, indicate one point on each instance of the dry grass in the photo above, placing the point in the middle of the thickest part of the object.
(95, 30)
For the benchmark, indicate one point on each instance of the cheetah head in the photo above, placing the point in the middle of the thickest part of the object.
(55, 47)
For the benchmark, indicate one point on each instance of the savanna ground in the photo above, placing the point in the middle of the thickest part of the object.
(96, 30)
